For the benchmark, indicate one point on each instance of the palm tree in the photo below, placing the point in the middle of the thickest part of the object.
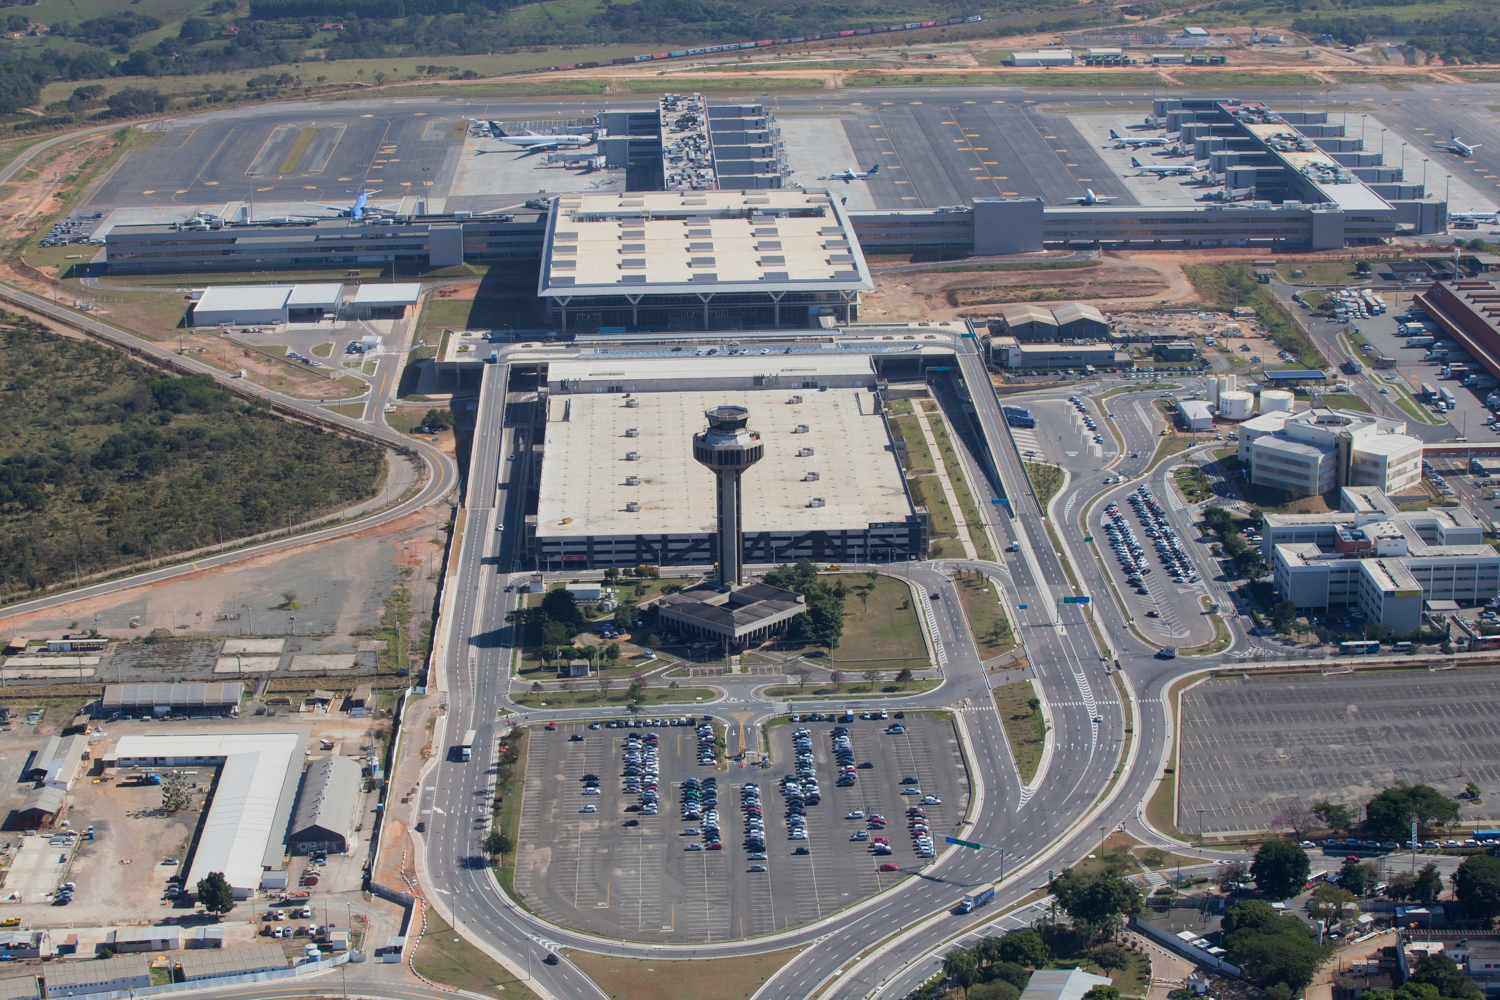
(987, 951)
(961, 966)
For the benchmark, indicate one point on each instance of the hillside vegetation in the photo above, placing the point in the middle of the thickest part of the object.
(104, 462)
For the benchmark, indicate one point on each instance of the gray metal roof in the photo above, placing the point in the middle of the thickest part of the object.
(124, 696)
(213, 962)
(330, 789)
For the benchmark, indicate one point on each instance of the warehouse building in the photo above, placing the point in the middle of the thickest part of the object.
(1319, 450)
(106, 975)
(197, 966)
(1174, 350)
(327, 807)
(1195, 414)
(1007, 352)
(1042, 57)
(1466, 311)
(619, 486)
(381, 301)
(700, 260)
(1034, 321)
(130, 939)
(42, 808)
(20, 988)
(194, 700)
(56, 764)
(245, 832)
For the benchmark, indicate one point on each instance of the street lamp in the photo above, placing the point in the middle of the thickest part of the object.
(1362, 130)
(1424, 177)
(1382, 145)
(1403, 162)
(1446, 185)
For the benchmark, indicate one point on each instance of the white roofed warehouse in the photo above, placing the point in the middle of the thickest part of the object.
(326, 806)
(700, 260)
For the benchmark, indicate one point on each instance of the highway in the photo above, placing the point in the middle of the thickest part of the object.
(1095, 779)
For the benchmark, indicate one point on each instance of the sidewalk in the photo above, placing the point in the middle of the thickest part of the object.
(959, 523)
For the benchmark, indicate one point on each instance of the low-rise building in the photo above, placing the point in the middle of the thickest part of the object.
(1195, 414)
(20, 988)
(1008, 353)
(326, 806)
(197, 966)
(25, 944)
(1174, 350)
(1384, 562)
(1320, 450)
(56, 763)
(125, 939)
(106, 975)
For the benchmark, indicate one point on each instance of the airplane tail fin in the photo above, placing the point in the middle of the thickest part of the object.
(498, 132)
(1134, 162)
(1113, 134)
(874, 169)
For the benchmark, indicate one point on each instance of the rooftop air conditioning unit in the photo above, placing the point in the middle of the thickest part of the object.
(800, 429)
(633, 506)
(632, 456)
(794, 400)
(804, 452)
(632, 432)
(815, 502)
(811, 477)
(632, 480)
(632, 403)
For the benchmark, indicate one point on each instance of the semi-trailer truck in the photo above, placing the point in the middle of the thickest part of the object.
(1421, 341)
(976, 899)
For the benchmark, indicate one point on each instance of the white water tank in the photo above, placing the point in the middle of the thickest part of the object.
(1236, 405)
(1275, 400)
(1227, 383)
(1213, 391)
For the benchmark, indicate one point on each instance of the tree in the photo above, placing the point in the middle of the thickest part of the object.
(176, 795)
(215, 894)
(1283, 614)
(1471, 792)
(1297, 818)
(871, 677)
(1338, 818)
(838, 680)
(136, 101)
(1362, 267)
(1103, 992)
(995, 989)
(1280, 868)
(802, 672)
(961, 966)
(1389, 814)
(1439, 971)
(1098, 899)
(1476, 885)
(1025, 948)
(1278, 950)
(612, 652)
(1329, 900)
(1017, 975)
(1252, 913)
(639, 680)
(1359, 877)
(197, 29)
(1110, 957)
(436, 418)
(606, 685)
(1231, 877)
(904, 677)
(1423, 887)
(496, 844)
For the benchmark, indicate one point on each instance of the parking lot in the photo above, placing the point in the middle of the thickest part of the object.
(1155, 568)
(624, 870)
(1251, 749)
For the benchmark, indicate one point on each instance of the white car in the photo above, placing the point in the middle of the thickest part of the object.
(589, 808)
(856, 814)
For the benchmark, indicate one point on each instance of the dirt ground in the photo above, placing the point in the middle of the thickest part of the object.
(24, 202)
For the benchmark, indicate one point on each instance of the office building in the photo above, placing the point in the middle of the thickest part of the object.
(1382, 561)
(1007, 352)
(1318, 450)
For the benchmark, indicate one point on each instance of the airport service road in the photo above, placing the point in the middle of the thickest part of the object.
(441, 472)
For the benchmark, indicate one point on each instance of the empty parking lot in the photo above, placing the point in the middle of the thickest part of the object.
(1251, 749)
(592, 871)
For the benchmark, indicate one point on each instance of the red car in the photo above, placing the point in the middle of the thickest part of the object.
(888, 867)
(1152, 614)
(551, 727)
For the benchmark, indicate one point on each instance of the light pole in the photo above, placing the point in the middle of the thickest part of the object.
(1382, 145)
(1403, 161)
(1424, 177)
(1362, 130)
(1446, 185)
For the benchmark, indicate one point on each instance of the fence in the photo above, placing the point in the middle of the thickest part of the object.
(215, 983)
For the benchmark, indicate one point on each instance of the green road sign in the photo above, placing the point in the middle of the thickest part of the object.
(1088, 538)
(964, 843)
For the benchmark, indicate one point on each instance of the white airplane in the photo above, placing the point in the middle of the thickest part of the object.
(360, 207)
(850, 174)
(1122, 141)
(1472, 216)
(1457, 145)
(1091, 198)
(535, 140)
(1180, 170)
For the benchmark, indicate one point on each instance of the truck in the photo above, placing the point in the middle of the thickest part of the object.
(1423, 341)
(1353, 366)
(976, 899)
(1459, 372)
(1448, 398)
(1437, 354)
(466, 748)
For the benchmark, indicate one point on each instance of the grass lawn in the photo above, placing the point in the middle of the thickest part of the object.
(445, 957)
(1229, 285)
(927, 491)
(973, 522)
(987, 619)
(354, 410)
(880, 630)
(699, 979)
(1334, 272)
(1217, 644)
(1193, 482)
(1161, 811)
(918, 459)
(864, 689)
(1174, 444)
(1024, 726)
(1046, 480)
(1346, 401)
(616, 698)
(506, 807)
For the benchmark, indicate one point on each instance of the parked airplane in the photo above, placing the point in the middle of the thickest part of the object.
(360, 207)
(1122, 141)
(1180, 170)
(850, 174)
(1091, 198)
(1457, 145)
(1472, 216)
(535, 140)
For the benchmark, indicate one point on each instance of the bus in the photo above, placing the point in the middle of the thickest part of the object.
(466, 748)
(1017, 417)
(1359, 646)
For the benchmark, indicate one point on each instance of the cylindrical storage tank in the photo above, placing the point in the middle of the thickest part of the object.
(1213, 391)
(1275, 400)
(1235, 405)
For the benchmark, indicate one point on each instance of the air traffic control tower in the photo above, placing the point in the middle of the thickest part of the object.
(728, 447)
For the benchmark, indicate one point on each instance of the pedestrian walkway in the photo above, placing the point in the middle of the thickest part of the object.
(948, 493)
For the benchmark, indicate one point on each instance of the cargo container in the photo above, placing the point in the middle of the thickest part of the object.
(976, 899)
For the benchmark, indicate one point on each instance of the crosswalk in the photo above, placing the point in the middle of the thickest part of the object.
(1025, 438)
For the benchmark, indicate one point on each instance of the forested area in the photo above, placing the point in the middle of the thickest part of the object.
(105, 462)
